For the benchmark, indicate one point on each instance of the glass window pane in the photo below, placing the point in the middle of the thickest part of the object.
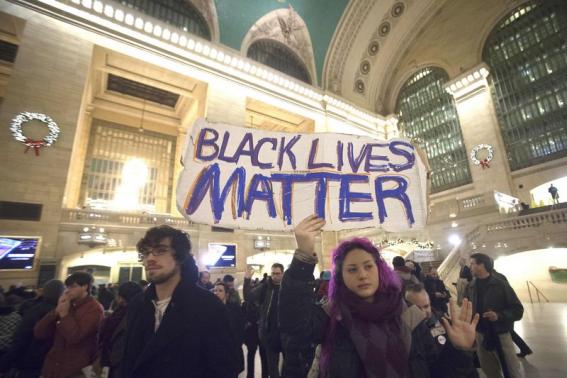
(179, 13)
(105, 165)
(280, 57)
(529, 82)
(427, 112)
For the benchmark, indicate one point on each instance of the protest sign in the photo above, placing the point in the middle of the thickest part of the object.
(254, 179)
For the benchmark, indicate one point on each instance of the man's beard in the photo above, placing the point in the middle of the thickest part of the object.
(162, 278)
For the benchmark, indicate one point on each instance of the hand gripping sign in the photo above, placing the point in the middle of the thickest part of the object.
(253, 179)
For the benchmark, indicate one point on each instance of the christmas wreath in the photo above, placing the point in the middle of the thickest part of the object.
(48, 140)
(484, 163)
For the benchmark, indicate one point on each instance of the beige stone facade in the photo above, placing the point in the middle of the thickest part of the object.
(63, 67)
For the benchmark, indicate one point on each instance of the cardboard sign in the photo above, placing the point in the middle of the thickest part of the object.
(253, 179)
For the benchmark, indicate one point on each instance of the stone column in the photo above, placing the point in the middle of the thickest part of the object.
(225, 103)
(479, 125)
(48, 77)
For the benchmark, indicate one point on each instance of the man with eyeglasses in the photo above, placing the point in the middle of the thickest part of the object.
(175, 328)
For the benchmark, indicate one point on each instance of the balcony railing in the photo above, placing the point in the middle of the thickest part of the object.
(450, 265)
(529, 221)
(126, 219)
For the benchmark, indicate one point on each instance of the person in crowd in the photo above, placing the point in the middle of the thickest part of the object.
(112, 334)
(405, 273)
(415, 269)
(499, 307)
(10, 319)
(525, 350)
(554, 194)
(252, 339)
(105, 296)
(438, 293)
(465, 276)
(25, 357)
(365, 330)
(33, 296)
(73, 327)
(434, 355)
(232, 294)
(266, 297)
(236, 320)
(205, 280)
(175, 328)
(322, 293)
(143, 283)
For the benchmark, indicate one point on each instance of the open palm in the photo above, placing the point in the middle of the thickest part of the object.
(306, 232)
(461, 330)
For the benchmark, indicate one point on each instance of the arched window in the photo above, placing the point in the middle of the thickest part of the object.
(427, 112)
(280, 57)
(527, 54)
(179, 13)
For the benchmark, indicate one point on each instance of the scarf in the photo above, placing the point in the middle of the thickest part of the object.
(376, 332)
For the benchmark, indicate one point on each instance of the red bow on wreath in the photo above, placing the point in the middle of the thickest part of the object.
(35, 144)
(484, 164)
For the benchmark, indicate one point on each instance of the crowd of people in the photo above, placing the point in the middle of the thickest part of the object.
(360, 319)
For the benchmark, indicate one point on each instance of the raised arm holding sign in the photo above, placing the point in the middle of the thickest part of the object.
(254, 179)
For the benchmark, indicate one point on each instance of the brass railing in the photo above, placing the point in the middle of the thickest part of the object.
(538, 292)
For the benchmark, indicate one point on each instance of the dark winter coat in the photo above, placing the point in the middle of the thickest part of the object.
(237, 322)
(262, 296)
(500, 298)
(27, 352)
(435, 285)
(433, 356)
(111, 339)
(74, 338)
(304, 323)
(193, 340)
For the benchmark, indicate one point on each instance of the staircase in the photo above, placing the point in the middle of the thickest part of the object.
(518, 234)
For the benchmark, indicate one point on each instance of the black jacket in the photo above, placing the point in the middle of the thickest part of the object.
(27, 352)
(193, 340)
(435, 285)
(303, 323)
(500, 298)
(237, 321)
(111, 339)
(433, 356)
(262, 296)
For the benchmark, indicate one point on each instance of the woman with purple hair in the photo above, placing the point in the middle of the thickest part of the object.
(365, 330)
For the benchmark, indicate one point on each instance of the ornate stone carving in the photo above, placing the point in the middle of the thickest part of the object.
(398, 9)
(343, 39)
(209, 12)
(285, 26)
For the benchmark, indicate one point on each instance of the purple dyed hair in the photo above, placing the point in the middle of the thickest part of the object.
(388, 280)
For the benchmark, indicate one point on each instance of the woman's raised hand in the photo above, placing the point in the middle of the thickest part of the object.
(461, 330)
(305, 233)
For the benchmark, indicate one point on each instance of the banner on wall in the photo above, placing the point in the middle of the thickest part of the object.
(261, 180)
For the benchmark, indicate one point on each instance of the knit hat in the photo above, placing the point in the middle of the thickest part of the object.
(129, 290)
(52, 290)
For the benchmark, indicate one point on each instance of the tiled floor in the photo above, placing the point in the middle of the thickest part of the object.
(544, 328)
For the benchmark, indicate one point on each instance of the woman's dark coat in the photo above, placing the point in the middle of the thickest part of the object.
(304, 323)
(27, 353)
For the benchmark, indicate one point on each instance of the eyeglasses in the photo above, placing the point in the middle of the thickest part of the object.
(157, 250)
